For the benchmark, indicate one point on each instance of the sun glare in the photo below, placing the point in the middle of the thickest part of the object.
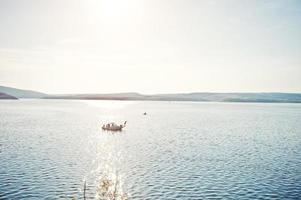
(109, 105)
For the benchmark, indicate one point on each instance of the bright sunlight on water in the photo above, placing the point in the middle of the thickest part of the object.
(179, 150)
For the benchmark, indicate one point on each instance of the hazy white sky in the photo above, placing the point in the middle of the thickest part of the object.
(151, 46)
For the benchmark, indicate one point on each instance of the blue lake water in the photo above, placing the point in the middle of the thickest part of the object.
(180, 150)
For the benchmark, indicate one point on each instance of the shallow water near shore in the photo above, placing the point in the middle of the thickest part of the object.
(179, 150)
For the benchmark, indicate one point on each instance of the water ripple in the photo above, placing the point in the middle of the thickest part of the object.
(49, 149)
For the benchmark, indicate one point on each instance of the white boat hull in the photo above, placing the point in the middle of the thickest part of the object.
(112, 128)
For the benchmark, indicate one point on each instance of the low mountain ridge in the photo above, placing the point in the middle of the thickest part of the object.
(272, 97)
(210, 97)
(6, 96)
(19, 93)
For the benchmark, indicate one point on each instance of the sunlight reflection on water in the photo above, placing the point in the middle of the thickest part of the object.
(106, 164)
(109, 105)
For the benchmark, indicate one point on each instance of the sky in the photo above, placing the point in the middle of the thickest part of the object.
(151, 46)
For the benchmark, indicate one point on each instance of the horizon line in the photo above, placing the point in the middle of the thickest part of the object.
(149, 94)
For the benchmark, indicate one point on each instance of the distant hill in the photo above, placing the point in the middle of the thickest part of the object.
(233, 97)
(6, 96)
(113, 96)
(197, 96)
(211, 97)
(21, 93)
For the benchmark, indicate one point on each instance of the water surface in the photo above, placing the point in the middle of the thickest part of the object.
(180, 150)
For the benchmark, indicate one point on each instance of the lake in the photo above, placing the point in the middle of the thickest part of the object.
(49, 149)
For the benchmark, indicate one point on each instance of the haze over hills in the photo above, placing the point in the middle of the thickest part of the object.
(198, 96)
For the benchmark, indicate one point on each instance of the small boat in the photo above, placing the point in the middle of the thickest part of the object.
(113, 127)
